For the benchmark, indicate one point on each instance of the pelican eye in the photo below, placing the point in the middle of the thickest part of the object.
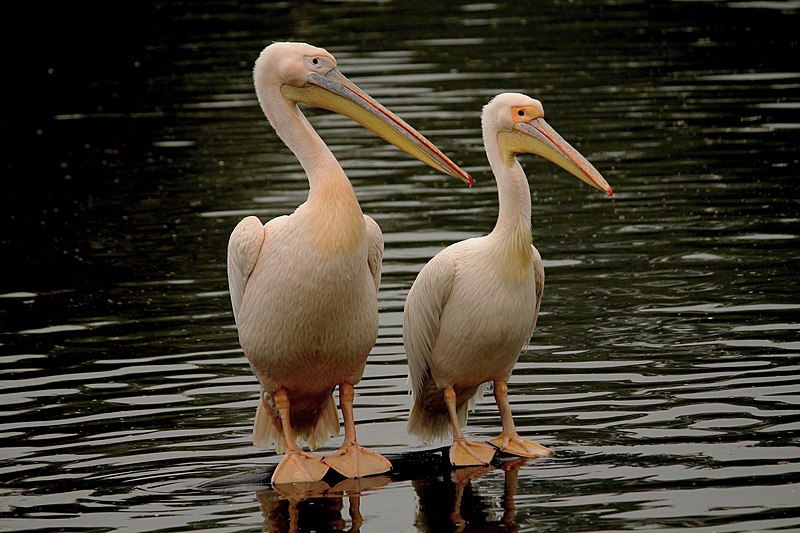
(315, 61)
(521, 113)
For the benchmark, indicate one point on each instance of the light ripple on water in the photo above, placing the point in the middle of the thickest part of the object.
(663, 369)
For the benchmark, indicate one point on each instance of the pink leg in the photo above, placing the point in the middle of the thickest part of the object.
(296, 465)
(509, 440)
(463, 452)
(353, 460)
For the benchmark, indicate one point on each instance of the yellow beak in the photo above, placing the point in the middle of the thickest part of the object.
(336, 93)
(537, 137)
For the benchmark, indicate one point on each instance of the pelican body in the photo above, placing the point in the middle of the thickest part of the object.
(473, 308)
(304, 286)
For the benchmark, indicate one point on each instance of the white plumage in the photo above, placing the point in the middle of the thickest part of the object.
(474, 306)
(304, 286)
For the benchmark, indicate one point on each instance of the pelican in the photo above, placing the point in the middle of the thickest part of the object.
(304, 286)
(473, 307)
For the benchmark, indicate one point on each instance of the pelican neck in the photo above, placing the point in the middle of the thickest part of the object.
(297, 133)
(514, 196)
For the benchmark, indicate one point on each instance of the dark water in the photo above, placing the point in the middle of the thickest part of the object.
(665, 370)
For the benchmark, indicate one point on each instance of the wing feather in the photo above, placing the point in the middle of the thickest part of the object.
(538, 271)
(422, 315)
(244, 247)
(374, 249)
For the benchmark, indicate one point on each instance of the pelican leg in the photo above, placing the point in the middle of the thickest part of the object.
(353, 460)
(509, 440)
(463, 452)
(296, 466)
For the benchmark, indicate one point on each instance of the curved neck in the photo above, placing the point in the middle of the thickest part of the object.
(296, 132)
(514, 195)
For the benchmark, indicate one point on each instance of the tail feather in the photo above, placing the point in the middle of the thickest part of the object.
(267, 428)
(430, 425)
(312, 421)
(429, 419)
(326, 426)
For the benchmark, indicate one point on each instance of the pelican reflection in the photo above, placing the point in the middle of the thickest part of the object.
(316, 506)
(454, 502)
(448, 499)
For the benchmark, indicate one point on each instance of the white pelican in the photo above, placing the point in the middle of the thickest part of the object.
(304, 286)
(473, 307)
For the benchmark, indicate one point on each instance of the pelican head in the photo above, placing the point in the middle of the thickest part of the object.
(518, 122)
(309, 75)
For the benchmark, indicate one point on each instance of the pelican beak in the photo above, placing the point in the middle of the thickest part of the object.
(334, 92)
(535, 136)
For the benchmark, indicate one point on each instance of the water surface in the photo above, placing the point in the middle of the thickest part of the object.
(664, 369)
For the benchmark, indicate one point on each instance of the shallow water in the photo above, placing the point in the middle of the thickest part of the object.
(664, 369)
